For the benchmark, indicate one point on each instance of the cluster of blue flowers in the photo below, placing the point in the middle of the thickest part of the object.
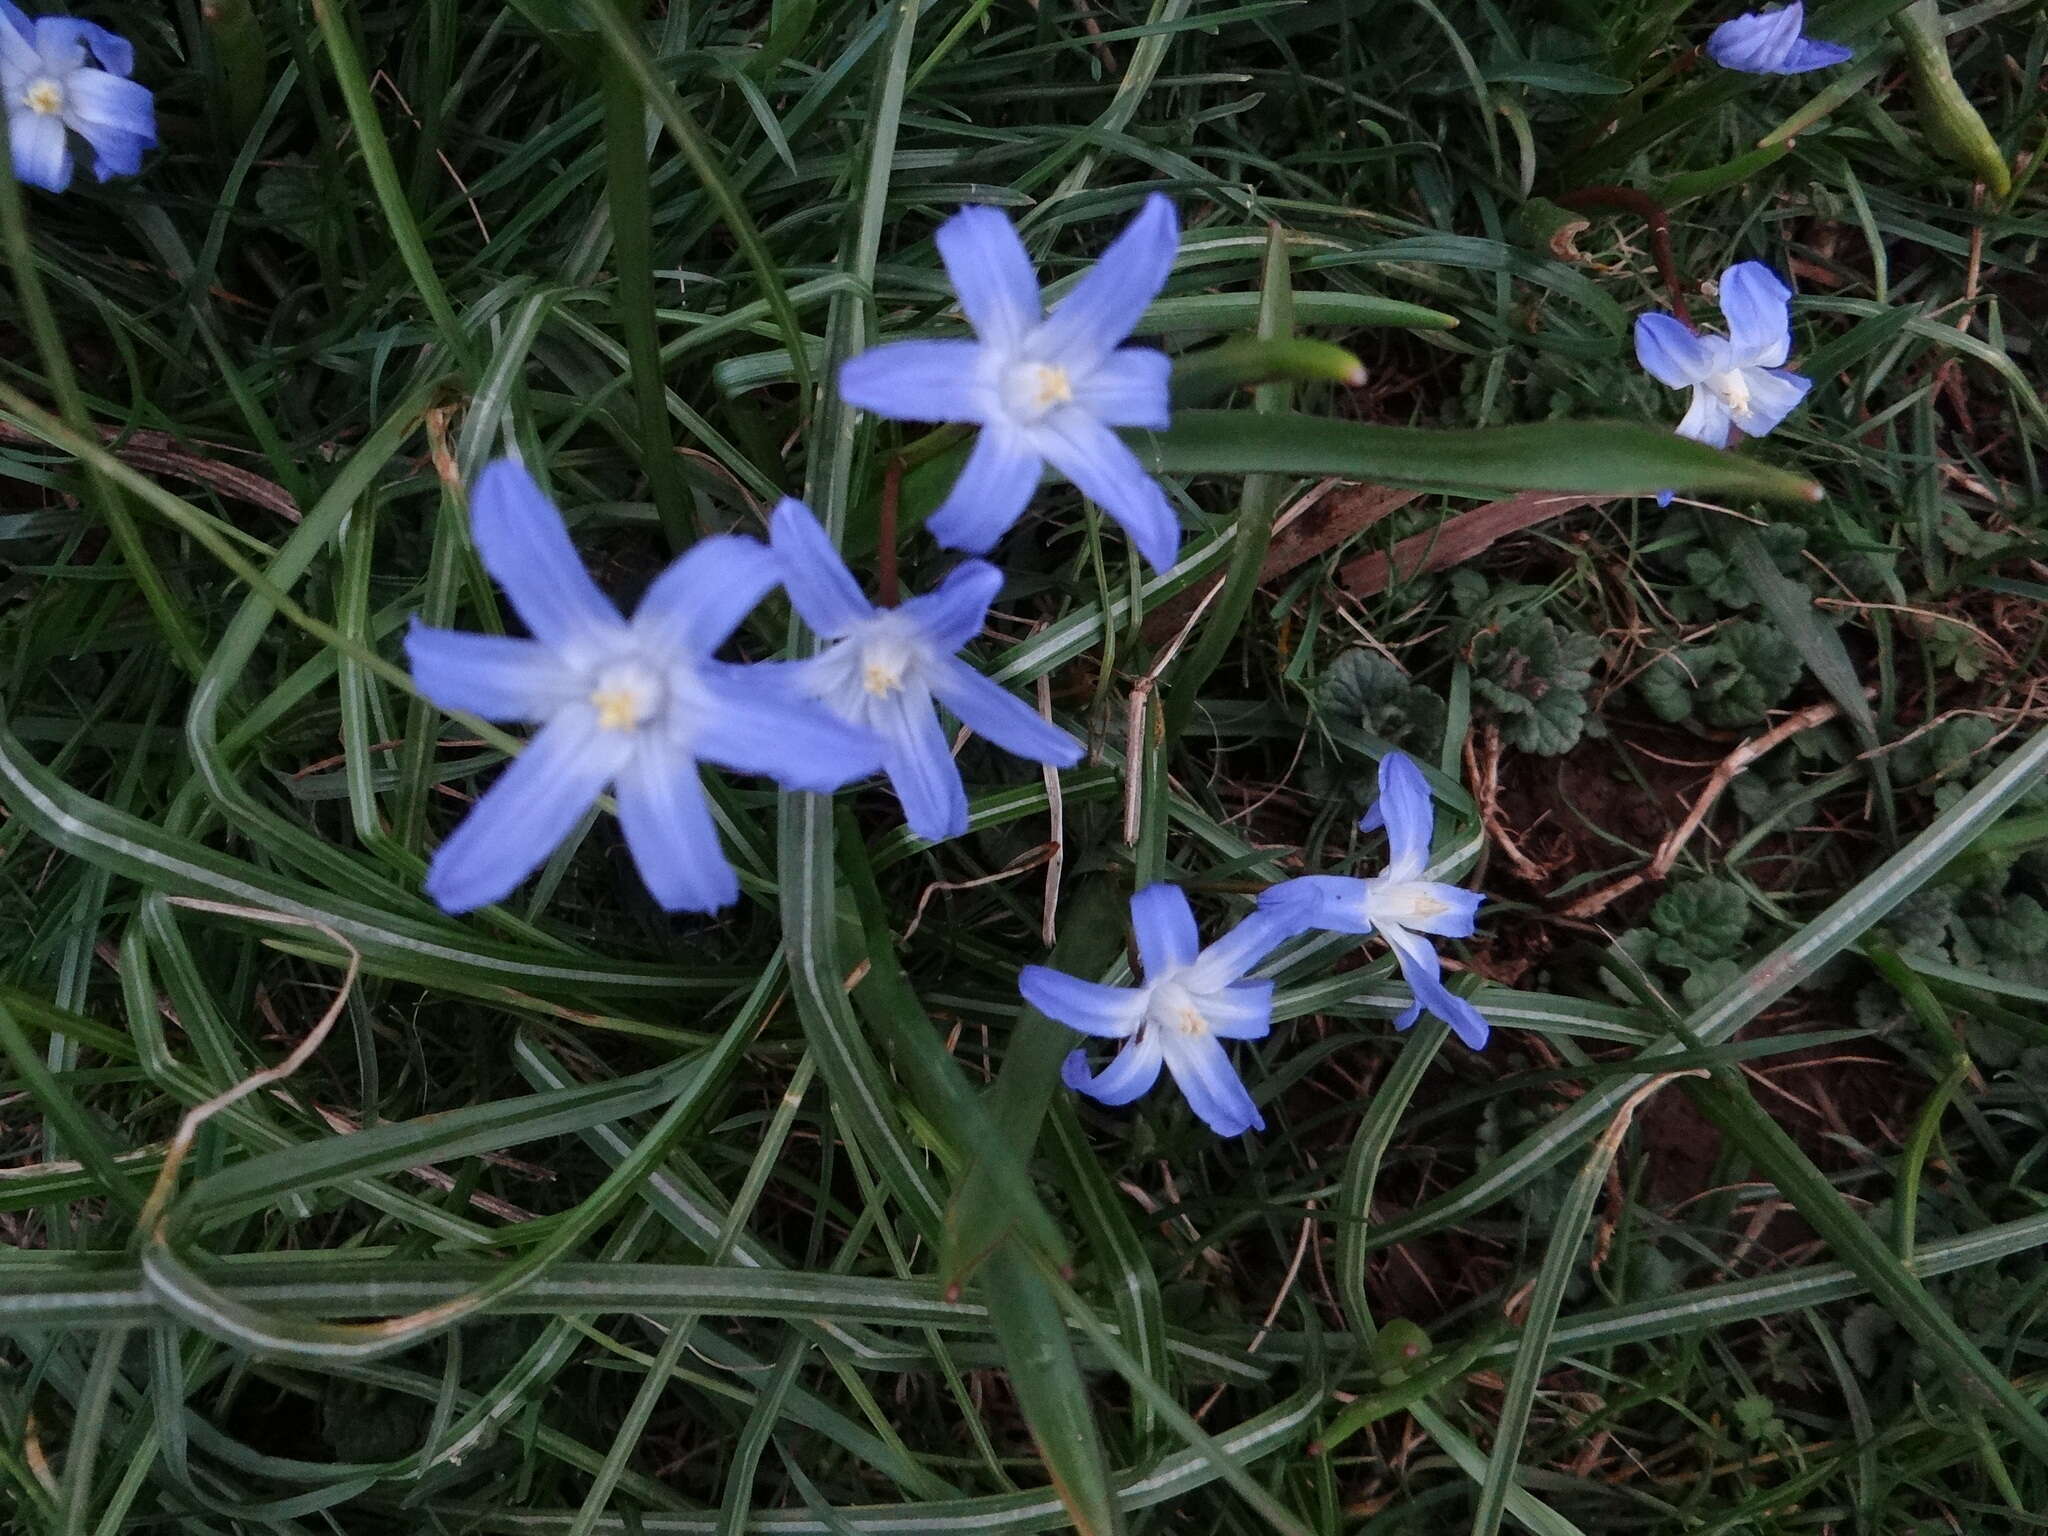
(1192, 999)
(633, 706)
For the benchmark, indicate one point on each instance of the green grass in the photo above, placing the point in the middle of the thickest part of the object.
(576, 1217)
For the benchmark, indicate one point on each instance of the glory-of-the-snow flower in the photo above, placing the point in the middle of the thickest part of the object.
(634, 705)
(1188, 1003)
(886, 668)
(1772, 43)
(1738, 380)
(1044, 388)
(1398, 903)
(60, 77)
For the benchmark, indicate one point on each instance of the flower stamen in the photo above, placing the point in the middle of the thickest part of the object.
(45, 98)
(1035, 389)
(626, 697)
(1732, 390)
(878, 679)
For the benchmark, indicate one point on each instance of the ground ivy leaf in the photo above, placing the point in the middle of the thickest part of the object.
(1708, 918)
(1533, 674)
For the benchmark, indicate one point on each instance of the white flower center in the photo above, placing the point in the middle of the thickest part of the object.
(876, 661)
(1031, 391)
(1731, 389)
(44, 97)
(1402, 903)
(885, 660)
(1172, 1007)
(627, 695)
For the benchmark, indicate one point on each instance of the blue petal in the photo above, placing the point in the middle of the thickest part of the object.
(1672, 353)
(1664, 498)
(1239, 950)
(525, 545)
(113, 51)
(820, 586)
(1333, 903)
(1165, 927)
(1758, 306)
(1131, 1074)
(992, 274)
(1423, 972)
(1099, 311)
(16, 32)
(493, 676)
(61, 37)
(700, 600)
(1214, 1091)
(994, 487)
(763, 725)
(1000, 717)
(1105, 470)
(919, 763)
(1774, 393)
(1706, 420)
(955, 611)
(1809, 54)
(1129, 389)
(1460, 913)
(1240, 1012)
(106, 108)
(535, 803)
(42, 150)
(1404, 809)
(669, 830)
(1094, 1009)
(916, 381)
(115, 154)
(1759, 42)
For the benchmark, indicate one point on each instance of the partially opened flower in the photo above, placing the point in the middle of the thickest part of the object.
(1772, 43)
(1043, 388)
(1398, 904)
(1737, 380)
(631, 705)
(1190, 1001)
(60, 77)
(887, 669)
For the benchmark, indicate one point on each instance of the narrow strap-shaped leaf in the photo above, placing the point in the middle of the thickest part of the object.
(1091, 936)
(1616, 458)
(668, 108)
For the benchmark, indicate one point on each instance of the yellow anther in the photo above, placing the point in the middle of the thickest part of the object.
(1051, 386)
(618, 709)
(881, 679)
(45, 98)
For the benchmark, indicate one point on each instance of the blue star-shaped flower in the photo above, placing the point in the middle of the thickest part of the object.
(887, 666)
(635, 705)
(1772, 43)
(1398, 904)
(60, 77)
(1043, 388)
(1737, 380)
(1190, 1001)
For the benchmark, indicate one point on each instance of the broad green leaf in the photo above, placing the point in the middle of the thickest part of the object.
(1050, 1389)
(1613, 458)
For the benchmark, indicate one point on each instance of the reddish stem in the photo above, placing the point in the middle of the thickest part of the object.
(1629, 200)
